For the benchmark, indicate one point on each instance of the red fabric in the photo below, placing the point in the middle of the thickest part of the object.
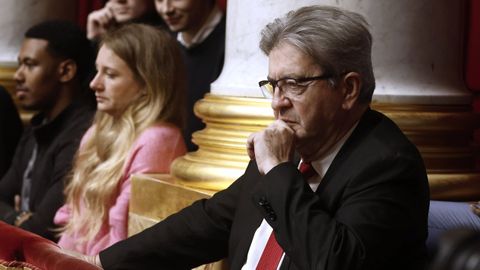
(307, 170)
(18, 246)
(271, 255)
(222, 4)
(84, 7)
(472, 60)
(16, 264)
(472, 63)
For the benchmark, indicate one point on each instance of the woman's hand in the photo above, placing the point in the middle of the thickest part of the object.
(95, 260)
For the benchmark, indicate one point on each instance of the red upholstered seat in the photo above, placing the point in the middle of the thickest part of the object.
(19, 248)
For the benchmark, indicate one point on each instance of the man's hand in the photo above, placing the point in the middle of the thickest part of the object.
(99, 21)
(22, 216)
(271, 146)
(475, 208)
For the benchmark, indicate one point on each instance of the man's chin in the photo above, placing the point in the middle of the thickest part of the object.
(293, 125)
(123, 18)
(29, 107)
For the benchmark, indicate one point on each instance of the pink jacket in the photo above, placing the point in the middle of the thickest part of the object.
(152, 152)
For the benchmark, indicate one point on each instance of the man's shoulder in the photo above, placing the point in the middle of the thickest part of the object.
(380, 129)
(71, 125)
(78, 117)
(378, 139)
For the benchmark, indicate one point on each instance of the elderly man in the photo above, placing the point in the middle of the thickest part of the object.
(359, 198)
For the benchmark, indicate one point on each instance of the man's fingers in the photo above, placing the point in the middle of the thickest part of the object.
(105, 19)
(17, 202)
(475, 208)
(251, 146)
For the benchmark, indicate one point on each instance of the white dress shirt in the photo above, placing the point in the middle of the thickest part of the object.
(212, 21)
(264, 231)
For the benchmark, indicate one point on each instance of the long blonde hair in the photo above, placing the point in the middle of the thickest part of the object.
(154, 58)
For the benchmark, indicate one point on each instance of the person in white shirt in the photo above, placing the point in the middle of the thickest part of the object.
(200, 28)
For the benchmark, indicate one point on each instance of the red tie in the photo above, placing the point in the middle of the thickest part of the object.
(271, 255)
(307, 170)
(273, 251)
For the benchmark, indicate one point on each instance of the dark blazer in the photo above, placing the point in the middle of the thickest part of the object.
(203, 63)
(369, 212)
(57, 142)
(10, 130)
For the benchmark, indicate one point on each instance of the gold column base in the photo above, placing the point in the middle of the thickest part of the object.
(442, 133)
(222, 155)
(154, 198)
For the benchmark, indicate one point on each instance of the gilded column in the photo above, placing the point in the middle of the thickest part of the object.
(417, 56)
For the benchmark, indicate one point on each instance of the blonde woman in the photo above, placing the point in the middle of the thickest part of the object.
(139, 91)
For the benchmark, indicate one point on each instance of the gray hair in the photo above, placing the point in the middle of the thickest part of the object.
(338, 40)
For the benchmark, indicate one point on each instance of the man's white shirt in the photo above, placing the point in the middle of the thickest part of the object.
(264, 231)
(212, 21)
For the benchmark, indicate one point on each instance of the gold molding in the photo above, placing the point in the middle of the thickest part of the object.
(6, 80)
(221, 157)
(442, 133)
(455, 186)
(6, 76)
(154, 198)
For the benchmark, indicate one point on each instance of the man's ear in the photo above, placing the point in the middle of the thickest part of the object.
(352, 83)
(67, 69)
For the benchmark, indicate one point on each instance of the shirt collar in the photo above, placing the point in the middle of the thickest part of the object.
(321, 165)
(212, 21)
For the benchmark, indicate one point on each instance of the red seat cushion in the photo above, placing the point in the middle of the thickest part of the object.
(25, 249)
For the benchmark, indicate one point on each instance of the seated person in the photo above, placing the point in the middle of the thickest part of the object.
(200, 25)
(444, 216)
(117, 12)
(10, 130)
(139, 89)
(359, 199)
(54, 61)
(23, 250)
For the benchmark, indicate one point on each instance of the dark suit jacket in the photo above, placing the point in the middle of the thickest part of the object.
(57, 141)
(10, 130)
(369, 212)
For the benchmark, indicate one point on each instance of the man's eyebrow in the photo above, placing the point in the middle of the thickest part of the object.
(25, 58)
(287, 76)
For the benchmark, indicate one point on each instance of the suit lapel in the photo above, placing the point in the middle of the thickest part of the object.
(250, 219)
(351, 143)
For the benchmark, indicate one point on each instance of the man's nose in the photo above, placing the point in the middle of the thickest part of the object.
(18, 75)
(279, 100)
(166, 6)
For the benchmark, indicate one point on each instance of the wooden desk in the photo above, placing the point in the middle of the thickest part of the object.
(154, 198)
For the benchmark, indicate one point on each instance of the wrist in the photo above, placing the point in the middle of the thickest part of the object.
(21, 218)
(96, 261)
